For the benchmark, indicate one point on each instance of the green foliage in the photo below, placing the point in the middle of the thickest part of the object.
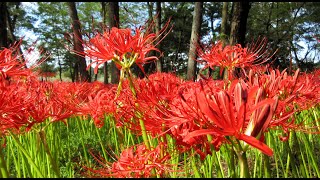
(285, 24)
(177, 42)
(132, 14)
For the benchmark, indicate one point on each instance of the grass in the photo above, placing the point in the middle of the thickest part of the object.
(75, 145)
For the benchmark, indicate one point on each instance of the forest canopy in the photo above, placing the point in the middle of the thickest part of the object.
(291, 29)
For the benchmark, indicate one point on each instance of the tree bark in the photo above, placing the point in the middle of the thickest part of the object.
(196, 24)
(10, 30)
(77, 38)
(113, 13)
(224, 21)
(104, 19)
(3, 25)
(239, 22)
(158, 27)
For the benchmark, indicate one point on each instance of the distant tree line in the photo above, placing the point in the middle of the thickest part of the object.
(286, 25)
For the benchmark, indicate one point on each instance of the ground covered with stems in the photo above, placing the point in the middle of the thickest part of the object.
(255, 122)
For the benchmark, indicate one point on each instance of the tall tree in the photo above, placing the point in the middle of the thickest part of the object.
(177, 41)
(104, 20)
(196, 24)
(3, 25)
(239, 22)
(113, 12)
(51, 34)
(158, 27)
(224, 23)
(80, 66)
(287, 25)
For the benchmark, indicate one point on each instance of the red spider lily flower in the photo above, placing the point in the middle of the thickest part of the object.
(153, 96)
(10, 65)
(100, 104)
(230, 56)
(295, 93)
(47, 74)
(72, 98)
(13, 65)
(122, 47)
(56, 100)
(136, 162)
(239, 113)
(13, 112)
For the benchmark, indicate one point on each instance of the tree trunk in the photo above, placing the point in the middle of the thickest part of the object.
(113, 13)
(239, 22)
(104, 19)
(80, 64)
(60, 69)
(158, 27)
(3, 25)
(223, 32)
(10, 29)
(224, 21)
(196, 24)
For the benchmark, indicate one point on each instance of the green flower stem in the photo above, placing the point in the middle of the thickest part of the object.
(215, 158)
(3, 167)
(243, 163)
(101, 143)
(164, 140)
(47, 150)
(131, 82)
(290, 161)
(126, 73)
(225, 73)
(30, 160)
(232, 167)
(266, 166)
(193, 164)
(144, 134)
(310, 152)
(120, 82)
(142, 125)
(266, 161)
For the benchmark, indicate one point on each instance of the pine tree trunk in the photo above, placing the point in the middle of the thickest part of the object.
(239, 22)
(105, 65)
(158, 27)
(77, 38)
(113, 13)
(196, 24)
(224, 21)
(10, 29)
(3, 25)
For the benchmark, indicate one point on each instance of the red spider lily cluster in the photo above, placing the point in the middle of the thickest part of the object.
(230, 57)
(47, 74)
(199, 115)
(137, 162)
(122, 47)
(27, 101)
(11, 65)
